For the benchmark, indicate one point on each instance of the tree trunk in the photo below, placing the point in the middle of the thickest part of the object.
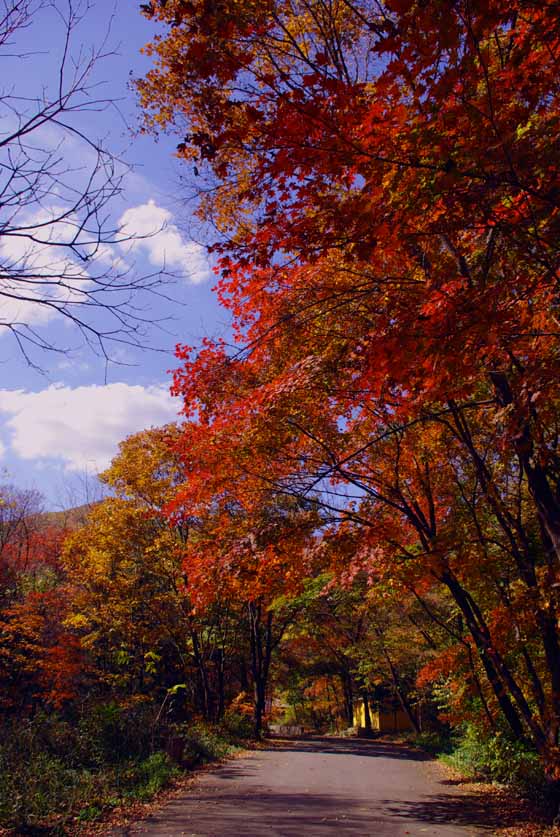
(221, 684)
(478, 684)
(498, 675)
(548, 512)
(367, 715)
(261, 654)
(346, 681)
(203, 688)
(407, 709)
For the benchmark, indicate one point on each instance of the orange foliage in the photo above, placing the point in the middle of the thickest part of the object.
(386, 190)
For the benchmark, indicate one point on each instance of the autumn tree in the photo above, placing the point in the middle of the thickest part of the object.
(384, 182)
(256, 555)
(128, 602)
(18, 509)
(40, 661)
(133, 604)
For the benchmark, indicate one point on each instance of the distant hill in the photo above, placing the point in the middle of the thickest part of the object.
(68, 518)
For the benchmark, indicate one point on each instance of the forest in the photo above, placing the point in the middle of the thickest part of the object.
(361, 502)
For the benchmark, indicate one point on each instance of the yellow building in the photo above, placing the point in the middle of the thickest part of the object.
(384, 719)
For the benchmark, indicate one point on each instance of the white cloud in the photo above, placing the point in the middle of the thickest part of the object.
(106, 254)
(82, 426)
(162, 242)
(39, 273)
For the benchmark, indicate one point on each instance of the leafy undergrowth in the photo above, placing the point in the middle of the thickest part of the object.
(501, 779)
(498, 806)
(499, 758)
(59, 778)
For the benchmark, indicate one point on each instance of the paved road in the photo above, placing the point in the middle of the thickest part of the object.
(318, 788)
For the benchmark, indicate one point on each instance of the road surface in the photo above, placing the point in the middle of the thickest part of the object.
(322, 787)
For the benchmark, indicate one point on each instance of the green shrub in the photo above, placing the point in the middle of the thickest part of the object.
(435, 743)
(51, 769)
(142, 780)
(204, 743)
(91, 812)
(210, 743)
(498, 757)
(109, 734)
(59, 768)
(35, 787)
(238, 725)
(43, 787)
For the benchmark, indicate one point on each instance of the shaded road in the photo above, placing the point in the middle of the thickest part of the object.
(318, 788)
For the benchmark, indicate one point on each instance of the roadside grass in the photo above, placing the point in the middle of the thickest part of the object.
(57, 776)
(490, 757)
(502, 767)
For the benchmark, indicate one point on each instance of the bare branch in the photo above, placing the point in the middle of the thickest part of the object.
(61, 252)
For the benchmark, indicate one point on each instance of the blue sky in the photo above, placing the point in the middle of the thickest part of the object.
(64, 419)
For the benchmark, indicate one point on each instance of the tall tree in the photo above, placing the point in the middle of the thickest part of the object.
(384, 180)
(256, 558)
